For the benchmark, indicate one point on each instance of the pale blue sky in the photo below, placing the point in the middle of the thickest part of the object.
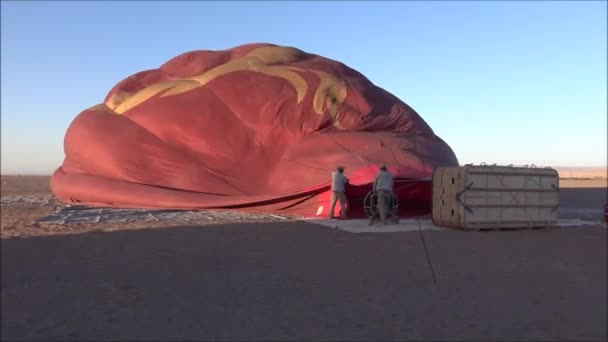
(507, 82)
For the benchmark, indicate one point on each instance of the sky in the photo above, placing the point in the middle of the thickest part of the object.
(514, 82)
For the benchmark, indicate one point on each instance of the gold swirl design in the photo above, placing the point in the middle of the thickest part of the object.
(332, 91)
(267, 60)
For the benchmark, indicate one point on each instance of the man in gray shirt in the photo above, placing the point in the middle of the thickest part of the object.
(338, 192)
(383, 187)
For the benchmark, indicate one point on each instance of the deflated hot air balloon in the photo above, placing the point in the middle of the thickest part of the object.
(258, 127)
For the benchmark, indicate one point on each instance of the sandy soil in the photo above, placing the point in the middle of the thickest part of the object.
(25, 185)
(16, 219)
(583, 183)
(582, 172)
(297, 281)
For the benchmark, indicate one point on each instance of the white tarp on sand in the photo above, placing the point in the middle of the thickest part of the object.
(362, 226)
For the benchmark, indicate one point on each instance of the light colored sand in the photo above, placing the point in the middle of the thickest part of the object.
(411, 225)
(362, 226)
(582, 172)
(581, 183)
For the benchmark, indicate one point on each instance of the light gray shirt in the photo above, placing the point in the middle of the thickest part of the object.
(337, 181)
(384, 181)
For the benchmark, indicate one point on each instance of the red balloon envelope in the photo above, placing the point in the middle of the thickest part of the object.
(258, 127)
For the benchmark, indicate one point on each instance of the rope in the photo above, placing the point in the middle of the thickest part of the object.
(428, 258)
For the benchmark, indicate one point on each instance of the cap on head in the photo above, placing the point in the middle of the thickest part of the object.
(340, 169)
(383, 167)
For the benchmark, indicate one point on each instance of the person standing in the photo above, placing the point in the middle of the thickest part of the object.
(383, 187)
(338, 192)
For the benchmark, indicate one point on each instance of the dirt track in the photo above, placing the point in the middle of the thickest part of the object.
(299, 281)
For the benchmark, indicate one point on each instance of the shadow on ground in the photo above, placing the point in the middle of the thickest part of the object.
(300, 281)
(583, 203)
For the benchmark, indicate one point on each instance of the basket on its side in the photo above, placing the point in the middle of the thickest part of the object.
(495, 197)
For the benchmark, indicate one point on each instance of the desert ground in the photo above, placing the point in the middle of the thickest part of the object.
(297, 280)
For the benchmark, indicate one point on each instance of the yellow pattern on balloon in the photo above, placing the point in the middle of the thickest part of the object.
(331, 90)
